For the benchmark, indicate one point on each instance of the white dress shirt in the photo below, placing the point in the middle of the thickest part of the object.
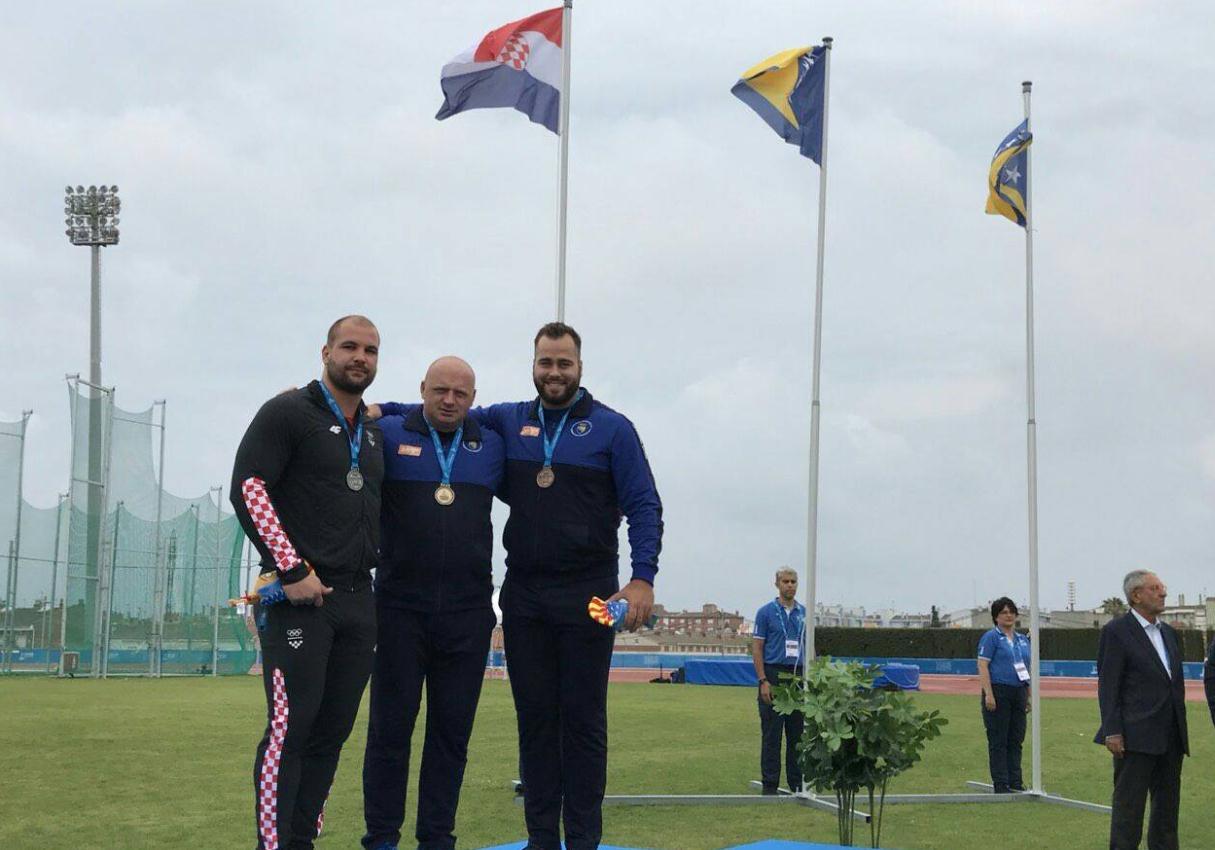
(1157, 639)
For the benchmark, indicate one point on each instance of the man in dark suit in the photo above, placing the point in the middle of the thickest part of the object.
(1141, 692)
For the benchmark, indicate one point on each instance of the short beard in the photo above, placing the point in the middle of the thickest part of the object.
(338, 378)
(565, 399)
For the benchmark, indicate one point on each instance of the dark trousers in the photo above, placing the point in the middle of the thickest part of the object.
(448, 652)
(558, 660)
(316, 664)
(1005, 735)
(1135, 775)
(772, 728)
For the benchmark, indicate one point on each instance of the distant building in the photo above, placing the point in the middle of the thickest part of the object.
(709, 620)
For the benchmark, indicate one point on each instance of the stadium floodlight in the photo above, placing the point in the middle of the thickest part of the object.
(92, 215)
(92, 221)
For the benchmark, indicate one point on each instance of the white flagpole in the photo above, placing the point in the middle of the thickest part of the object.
(563, 130)
(1031, 446)
(812, 502)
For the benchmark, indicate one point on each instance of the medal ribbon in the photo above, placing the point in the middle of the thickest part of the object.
(356, 440)
(448, 460)
(550, 447)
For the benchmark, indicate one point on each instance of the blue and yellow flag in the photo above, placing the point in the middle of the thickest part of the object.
(787, 91)
(1008, 180)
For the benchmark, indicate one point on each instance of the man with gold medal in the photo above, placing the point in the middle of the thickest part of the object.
(433, 590)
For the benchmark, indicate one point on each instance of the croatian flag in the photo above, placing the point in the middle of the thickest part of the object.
(517, 65)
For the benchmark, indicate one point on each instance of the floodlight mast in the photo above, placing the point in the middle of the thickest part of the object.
(92, 220)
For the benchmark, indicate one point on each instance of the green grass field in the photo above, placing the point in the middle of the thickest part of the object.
(135, 764)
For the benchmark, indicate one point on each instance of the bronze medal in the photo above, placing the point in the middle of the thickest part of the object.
(444, 495)
(545, 477)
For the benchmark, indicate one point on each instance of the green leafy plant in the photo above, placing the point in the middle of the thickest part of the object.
(855, 737)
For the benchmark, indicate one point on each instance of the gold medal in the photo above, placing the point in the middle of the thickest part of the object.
(545, 477)
(444, 495)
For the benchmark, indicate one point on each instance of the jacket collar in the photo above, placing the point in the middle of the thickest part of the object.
(318, 397)
(415, 421)
(1133, 622)
(581, 410)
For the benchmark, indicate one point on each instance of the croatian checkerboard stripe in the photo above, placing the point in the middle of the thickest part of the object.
(267, 783)
(265, 518)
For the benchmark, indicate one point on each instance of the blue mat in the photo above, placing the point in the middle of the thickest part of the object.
(759, 845)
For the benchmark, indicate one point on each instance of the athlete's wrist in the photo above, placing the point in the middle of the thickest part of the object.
(297, 573)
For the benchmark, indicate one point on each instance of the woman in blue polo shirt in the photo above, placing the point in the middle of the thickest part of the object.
(1004, 683)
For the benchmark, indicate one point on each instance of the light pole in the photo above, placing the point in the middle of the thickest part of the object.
(92, 220)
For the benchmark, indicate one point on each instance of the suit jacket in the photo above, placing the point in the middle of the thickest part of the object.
(1138, 699)
(1208, 679)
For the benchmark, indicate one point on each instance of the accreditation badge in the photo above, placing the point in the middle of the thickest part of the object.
(793, 649)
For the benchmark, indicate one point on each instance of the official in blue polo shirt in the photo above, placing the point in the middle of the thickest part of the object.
(1004, 684)
(433, 590)
(777, 646)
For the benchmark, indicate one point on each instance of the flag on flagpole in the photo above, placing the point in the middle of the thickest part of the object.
(786, 90)
(1008, 180)
(517, 65)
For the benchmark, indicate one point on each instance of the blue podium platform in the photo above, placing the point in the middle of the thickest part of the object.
(771, 844)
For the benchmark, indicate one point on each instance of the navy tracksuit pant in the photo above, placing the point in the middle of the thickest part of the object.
(315, 666)
(558, 660)
(1005, 733)
(773, 728)
(446, 651)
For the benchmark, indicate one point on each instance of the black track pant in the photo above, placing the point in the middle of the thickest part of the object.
(772, 728)
(558, 660)
(448, 651)
(1005, 734)
(316, 662)
(1135, 776)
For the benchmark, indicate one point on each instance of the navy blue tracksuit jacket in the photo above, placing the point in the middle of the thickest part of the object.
(435, 558)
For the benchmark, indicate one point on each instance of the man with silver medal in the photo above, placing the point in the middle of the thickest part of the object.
(306, 488)
(433, 591)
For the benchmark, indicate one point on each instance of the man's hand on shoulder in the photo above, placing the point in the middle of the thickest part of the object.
(307, 591)
(641, 600)
(373, 412)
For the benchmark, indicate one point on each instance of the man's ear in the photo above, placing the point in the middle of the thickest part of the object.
(422, 389)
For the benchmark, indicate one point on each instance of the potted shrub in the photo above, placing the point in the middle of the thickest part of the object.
(855, 736)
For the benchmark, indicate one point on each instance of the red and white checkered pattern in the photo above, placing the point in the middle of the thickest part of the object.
(267, 782)
(320, 819)
(265, 519)
(515, 51)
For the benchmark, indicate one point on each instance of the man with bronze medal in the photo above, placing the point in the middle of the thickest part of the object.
(573, 467)
(306, 488)
(433, 591)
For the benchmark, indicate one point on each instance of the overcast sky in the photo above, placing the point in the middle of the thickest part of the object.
(280, 165)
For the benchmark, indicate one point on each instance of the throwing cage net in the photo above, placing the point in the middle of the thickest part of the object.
(122, 577)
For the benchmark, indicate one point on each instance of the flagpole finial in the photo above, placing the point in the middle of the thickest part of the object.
(827, 40)
(1027, 85)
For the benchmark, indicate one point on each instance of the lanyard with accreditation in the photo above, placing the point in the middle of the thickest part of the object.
(793, 648)
(1018, 662)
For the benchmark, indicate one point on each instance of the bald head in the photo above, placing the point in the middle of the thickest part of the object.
(448, 391)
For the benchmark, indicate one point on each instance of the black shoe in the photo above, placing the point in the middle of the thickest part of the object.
(1001, 789)
(1019, 789)
(770, 791)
